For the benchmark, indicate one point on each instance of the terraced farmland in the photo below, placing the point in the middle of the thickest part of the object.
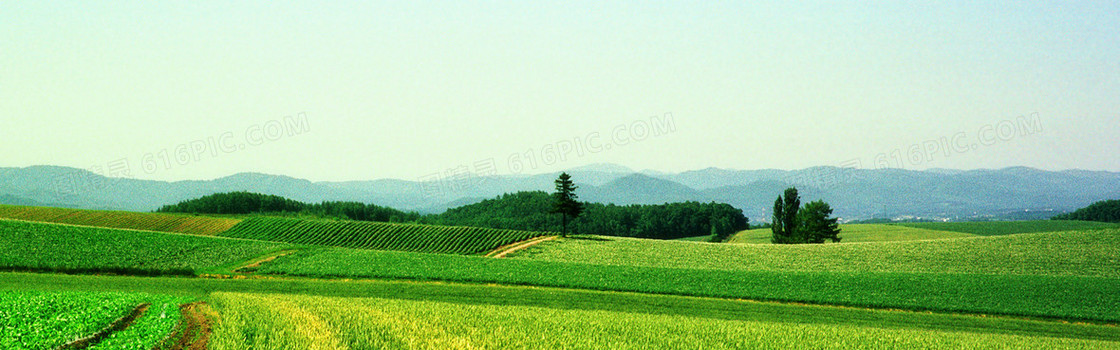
(198, 225)
(378, 235)
(47, 320)
(29, 246)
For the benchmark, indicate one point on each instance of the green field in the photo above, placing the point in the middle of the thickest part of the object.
(855, 233)
(695, 239)
(28, 246)
(1097, 297)
(270, 321)
(588, 291)
(1074, 253)
(199, 225)
(1010, 227)
(515, 298)
(378, 235)
(45, 320)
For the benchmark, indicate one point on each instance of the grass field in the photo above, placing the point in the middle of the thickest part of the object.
(28, 246)
(199, 225)
(47, 320)
(270, 321)
(856, 233)
(695, 239)
(1075, 253)
(1096, 298)
(1010, 227)
(378, 235)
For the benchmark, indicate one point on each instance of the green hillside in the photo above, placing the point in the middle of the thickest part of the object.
(1010, 227)
(1071, 253)
(200, 225)
(28, 246)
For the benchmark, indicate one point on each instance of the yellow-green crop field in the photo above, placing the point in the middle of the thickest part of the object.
(1070, 253)
(270, 321)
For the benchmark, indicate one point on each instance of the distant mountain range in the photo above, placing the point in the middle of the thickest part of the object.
(1009, 193)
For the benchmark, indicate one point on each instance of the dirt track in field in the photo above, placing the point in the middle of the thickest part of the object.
(506, 250)
(257, 263)
(196, 326)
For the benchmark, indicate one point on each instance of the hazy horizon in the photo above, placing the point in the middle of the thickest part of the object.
(357, 91)
(587, 167)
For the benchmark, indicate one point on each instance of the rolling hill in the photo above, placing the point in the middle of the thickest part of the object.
(1011, 193)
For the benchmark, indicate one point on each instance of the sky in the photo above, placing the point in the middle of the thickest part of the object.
(334, 91)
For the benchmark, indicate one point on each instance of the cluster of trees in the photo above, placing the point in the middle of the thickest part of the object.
(1104, 211)
(359, 211)
(535, 211)
(249, 203)
(794, 224)
(235, 203)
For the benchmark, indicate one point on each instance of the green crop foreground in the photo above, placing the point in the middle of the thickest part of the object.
(573, 299)
(378, 235)
(45, 320)
(269, 321)
(26, 246)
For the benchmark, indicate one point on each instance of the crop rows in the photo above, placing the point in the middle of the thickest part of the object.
(378, 235)
(257, 321)
(1028, 274)
(29, 246)
(198, 225)
(46, 320)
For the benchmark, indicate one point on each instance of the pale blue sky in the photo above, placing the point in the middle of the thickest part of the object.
(405, 90)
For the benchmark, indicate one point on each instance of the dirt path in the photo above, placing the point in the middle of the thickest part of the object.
(501, 252)
(254, 264)
(194, 330)
(119, 325)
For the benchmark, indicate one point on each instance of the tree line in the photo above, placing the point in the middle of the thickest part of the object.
(239, 203)
(532, 211)
(1104, 211)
